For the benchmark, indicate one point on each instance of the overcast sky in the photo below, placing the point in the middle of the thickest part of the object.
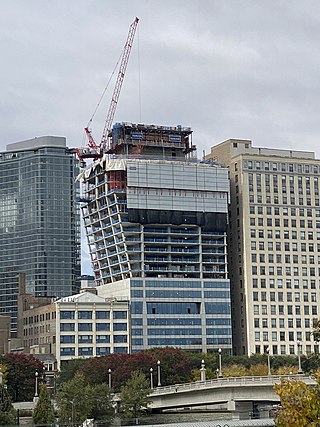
(227, 68)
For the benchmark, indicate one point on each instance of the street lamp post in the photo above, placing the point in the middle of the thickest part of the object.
(299, 358)
(36, 389)
(109, 377)
(72, 412)
(203, 371)
(151, 378)
(268, 356)
(159, 373)
(220, 363)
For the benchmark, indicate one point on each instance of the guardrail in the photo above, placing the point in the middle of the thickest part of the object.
(231, 381)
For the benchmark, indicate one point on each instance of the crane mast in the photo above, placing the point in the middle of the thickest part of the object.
(94, 150)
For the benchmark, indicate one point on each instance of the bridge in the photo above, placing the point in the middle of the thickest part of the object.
(233, 393)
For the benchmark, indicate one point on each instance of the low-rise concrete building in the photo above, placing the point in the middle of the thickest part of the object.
(82, 325)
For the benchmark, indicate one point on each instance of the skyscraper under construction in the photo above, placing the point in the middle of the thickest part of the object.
(155, 219)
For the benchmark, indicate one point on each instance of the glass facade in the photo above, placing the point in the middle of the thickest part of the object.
(156, 224)
(39, 221)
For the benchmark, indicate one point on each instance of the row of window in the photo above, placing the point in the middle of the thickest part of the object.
(179, 284)
(88, 314)
(280, 283)
(287, 259)
(288, 271)
(88, 351)
(66, 327)
(284, 211)
(275, 322)
(286, 246)
(292, 200)
(280, 310)
(276, 222)
(280, 166)
(281, 336)
(286, 349)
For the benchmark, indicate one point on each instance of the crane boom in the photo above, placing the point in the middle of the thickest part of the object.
(94, 150)
(118, 85)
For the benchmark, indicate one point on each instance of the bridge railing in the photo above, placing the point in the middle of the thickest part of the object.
(231, 381)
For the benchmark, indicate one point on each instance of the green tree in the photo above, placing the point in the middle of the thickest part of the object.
(43, 412)
(300, 404)
(7, 412)
(69, 370)
(134, 401)
(74, 400)
(101, 402)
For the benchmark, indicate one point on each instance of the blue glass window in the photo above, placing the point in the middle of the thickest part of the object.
(137, 331)
(102, 350)
(67, 314)
(85, 326)
(137, 322)
(154, 342)
(121, 349)
(103, 338)
(102, 326)
(67, 351)
(85, 339)
(218, 321)
(120, 338)
(66, 327)
(174, 331)
(85, 351)
(220, 331)
(173, 284)
(173, 308)
(160, 293)
(219, 341)
(136, 307)
(217, 294)
(137, 341)
(119, 314)
(68, 339)
(84, 314)
(174, 321)
(102, 314)
(216, 285)
(136, 293)
(119, 326)
(217, 308)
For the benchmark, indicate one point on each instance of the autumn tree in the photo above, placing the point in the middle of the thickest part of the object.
(300, 404)
(43, 412)
(134, 401)
(235, 371)
(20, 375)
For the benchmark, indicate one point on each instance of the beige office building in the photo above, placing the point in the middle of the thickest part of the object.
(274, 246)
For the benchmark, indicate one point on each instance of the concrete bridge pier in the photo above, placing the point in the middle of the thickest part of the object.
(240, 410)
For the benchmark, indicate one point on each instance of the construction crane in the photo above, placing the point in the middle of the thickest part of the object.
(94, 150)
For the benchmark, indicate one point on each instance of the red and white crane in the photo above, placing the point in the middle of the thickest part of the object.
(95, 150)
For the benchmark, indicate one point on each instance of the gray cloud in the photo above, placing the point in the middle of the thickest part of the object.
(236, 68)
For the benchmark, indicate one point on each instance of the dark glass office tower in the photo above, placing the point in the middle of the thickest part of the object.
(39, 221)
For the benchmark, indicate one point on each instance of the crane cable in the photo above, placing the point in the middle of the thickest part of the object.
(139, 75)
(105, 89)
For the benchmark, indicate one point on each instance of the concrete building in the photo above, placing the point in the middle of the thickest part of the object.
(156, 219)
(274, 246)
(82, 325)
(4, 334)
(39, 221)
